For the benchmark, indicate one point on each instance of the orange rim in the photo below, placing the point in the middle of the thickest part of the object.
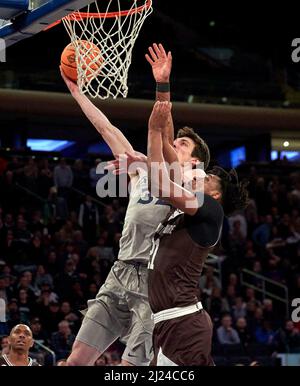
(76, 16)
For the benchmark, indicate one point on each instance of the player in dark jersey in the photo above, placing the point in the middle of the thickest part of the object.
(183, 330)
(20, 342)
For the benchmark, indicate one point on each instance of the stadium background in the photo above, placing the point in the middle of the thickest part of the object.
(233, 80)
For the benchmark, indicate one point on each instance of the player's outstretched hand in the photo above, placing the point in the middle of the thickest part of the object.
(129, 163)
(161, 63)
(159, 118)
(70, 84)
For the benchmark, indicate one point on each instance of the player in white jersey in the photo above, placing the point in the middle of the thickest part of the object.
(121, 308)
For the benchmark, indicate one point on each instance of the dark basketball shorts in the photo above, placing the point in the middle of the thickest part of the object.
(184, 341)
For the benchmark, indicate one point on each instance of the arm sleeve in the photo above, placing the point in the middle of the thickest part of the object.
(206, 224)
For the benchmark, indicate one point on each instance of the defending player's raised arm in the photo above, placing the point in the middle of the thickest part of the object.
(115, 139)
(159, 172)
(161, 64)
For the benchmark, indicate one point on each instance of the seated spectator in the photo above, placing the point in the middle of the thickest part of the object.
(4, 345)
(226, 334)
(243, 331)
(42, 277)
(40, 338)
(288, 338)
(264, 334)
(208, 281)
(216, 305)
(88, 219)
(62, 340)
(69, 315)
(239, 309)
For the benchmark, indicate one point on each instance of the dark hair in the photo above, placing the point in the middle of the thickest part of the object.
(201, 150)
(234, 193)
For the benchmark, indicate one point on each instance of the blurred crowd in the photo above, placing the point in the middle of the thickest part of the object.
(58, 241)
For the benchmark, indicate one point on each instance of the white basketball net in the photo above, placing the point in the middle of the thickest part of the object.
(104, 73)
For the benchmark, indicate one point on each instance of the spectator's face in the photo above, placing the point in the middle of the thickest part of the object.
(268, 305)
(24, 282)
(20, 338)
(289, 326)
(257, 266)
(93, 288)
(250, 293)
(65, 308)
(2, 283)
(23, 296)
(28, 276)
(258, 313)
(237, 225)
(216, 292)
(233, 279)
(226, 321)
(40, 270)
(54, 308)
(13, 307)
(241, 323)
(70, 266)
(64, 328)
(231, 290)
(36, 327)
(52, 257)
(239, 302)
(8, 218)
(269, 219)
(4, 342)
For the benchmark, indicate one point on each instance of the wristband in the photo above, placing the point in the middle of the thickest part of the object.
(163, 87)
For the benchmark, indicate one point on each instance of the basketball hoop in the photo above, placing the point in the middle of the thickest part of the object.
(114, 31)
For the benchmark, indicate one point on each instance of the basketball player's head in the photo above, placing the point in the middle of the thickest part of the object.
(226, 188)
(20, 339)
(191, 148)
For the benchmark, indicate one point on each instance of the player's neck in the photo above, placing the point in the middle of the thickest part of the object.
(18, 358)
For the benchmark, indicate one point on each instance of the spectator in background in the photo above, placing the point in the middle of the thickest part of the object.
(4, 345)
(45, 178)
(262, 234)
(42, 277)
(239, 310)
(238, 221)
(38, 332)
(88, 219)
(287, 338)
(94, 177)
(57, 206)
(13, 313)
(80, 180)
(264, 334)
(216, 305)
(68, 314)
(62, 340)
(30, 174)
(243, 331)
(51, 317)
(208, 281)
(63, 178)
(226, 333)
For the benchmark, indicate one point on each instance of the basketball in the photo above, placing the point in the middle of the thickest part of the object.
(90, 57)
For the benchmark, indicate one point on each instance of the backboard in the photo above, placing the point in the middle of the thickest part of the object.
(20, 19)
